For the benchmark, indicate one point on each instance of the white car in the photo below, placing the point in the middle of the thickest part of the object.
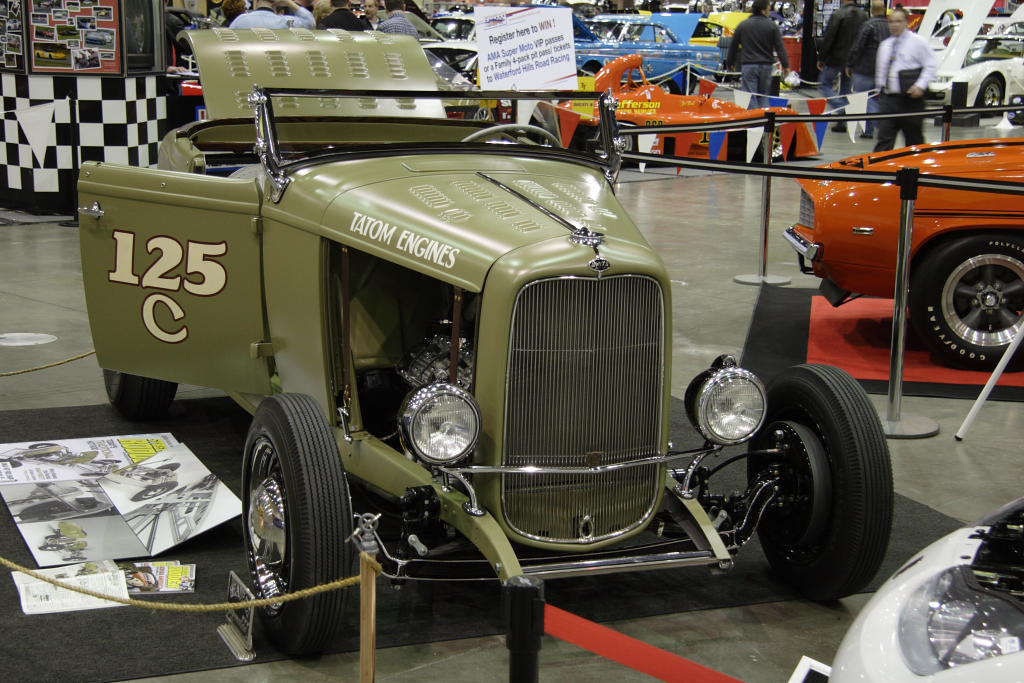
(993, 68)
(954, 613)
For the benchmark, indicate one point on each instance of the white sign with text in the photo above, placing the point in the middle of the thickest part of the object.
(525, 48)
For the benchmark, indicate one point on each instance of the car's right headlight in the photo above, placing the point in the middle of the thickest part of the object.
(951, 621)
(440, 423)
(726, 403)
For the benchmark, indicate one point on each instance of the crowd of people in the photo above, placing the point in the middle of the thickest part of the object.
(377, 15)
(858, 54)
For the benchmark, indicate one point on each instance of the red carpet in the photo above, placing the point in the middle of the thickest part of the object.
(856, 337)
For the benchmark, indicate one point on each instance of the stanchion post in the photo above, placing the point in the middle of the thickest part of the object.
(524, 611)
(947, 122)
(76, 161)
(762, 277)
(896, 426)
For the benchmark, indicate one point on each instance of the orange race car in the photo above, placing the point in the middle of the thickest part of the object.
(967, 261)
(645, 104)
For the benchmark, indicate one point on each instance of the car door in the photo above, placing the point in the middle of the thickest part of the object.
(172, 275)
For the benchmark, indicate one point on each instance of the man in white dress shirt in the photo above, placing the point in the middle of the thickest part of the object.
(905, 52)
(264, 14)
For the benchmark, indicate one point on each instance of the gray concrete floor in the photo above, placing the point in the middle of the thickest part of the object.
(707, 229)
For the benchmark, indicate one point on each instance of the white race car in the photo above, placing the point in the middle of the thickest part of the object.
(993, 69)
(953, 613)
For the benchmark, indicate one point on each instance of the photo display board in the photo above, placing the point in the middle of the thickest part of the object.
(12, 35)
(73, 36)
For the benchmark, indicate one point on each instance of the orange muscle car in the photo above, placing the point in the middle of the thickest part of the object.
(645, 104)
(967, 263)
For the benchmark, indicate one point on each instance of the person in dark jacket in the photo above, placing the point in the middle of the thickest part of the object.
(753, 43)
(843, 26)
(860, 65)
(342, 17)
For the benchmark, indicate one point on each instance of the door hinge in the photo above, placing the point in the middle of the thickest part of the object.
(261, 349)
(257, 225)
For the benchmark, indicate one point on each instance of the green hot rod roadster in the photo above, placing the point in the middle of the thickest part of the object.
(456, 320)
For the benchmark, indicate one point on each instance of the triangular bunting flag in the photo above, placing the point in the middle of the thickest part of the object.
(707, 87)
(644, 143)
(715, 143)
(524, 111)
(742, 98)
(683, 143)
(778, 101)
(37, 122)
(754, 136)
(858, 104)
(568, 120)
(787, 130)
(816, 108)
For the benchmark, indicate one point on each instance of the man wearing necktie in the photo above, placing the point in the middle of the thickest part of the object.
(903, 69)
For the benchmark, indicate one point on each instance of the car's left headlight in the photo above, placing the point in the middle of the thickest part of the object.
(726, 403)
(951, 621)
(440, 423)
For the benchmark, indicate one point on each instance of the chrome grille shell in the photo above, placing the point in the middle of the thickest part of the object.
(584, 387)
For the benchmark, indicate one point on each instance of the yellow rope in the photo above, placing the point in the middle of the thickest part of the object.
(48, 365)
(212, 607)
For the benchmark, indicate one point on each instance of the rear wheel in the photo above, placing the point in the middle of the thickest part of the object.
(298, 519)
(138, 398)
(967, 299)
(828, 528)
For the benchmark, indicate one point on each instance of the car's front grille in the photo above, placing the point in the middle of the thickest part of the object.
(806, 210)
(584, 388)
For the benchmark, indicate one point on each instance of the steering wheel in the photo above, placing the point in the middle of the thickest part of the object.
(506, 128)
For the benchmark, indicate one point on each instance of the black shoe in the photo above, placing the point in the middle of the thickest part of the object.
(867, 136)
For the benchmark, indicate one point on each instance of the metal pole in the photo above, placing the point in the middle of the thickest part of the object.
(524, 611)
(987, 389)
(762, 277)
(947, 122)
(910, 427)
(76, 162)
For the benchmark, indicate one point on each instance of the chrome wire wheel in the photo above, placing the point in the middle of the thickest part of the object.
(982, 299)
(267, 524)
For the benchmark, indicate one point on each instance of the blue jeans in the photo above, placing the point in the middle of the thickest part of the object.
(757, 79)
(862, 82)
(828, 77)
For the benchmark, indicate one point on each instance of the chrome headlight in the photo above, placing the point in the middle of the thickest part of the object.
(726, 403)
(949, 622)
(440, 423)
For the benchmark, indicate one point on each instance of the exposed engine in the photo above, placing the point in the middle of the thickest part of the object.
(431, 362)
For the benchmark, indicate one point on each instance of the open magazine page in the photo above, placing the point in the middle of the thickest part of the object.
(115, 497)
(39, 597)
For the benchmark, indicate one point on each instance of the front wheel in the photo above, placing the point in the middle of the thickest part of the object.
(967, 299)
(990, 94)
(138, 398)
(298, 520)
(827, 529)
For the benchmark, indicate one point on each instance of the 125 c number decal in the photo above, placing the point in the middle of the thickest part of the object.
(198, 258)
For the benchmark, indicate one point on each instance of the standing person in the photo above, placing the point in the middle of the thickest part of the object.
(860, 65)
(371, 16)
(755, 39)
(341, 17)
(843, 26)
(904, 67)
(264, 15)
(396, 21)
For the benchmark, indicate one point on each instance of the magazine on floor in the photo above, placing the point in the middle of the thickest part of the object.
(168, 576)
(115, 497)
(40, 597)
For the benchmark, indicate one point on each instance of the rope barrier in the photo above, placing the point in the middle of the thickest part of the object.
(48, 365)
(209, 607)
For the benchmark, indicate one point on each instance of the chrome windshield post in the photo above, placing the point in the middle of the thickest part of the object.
(266, 142)
(612, 143)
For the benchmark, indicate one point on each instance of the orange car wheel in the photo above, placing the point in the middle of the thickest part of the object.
(967, 299)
